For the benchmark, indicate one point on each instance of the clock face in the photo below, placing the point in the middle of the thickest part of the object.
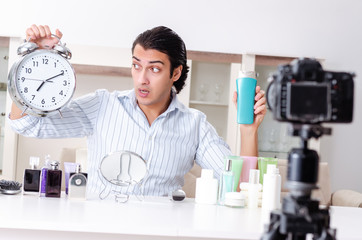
(45, 80)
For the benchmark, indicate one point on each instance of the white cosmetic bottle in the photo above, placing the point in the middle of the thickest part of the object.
(206, 187)
(253, 189)
(271, 188)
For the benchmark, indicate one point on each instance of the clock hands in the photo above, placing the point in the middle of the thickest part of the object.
(35, 79)
(47, 80)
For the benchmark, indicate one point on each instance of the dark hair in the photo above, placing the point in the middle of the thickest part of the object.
(165, 40)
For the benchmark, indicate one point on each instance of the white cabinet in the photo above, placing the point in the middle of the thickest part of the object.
(212, 82)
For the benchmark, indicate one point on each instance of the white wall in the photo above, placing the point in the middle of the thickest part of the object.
(328, 29)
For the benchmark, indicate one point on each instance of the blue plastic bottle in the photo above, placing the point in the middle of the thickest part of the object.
(245, 87)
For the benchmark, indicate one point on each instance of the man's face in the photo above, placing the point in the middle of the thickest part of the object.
(151, 77)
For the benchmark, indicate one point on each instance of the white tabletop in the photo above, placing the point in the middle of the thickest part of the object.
(153, 218)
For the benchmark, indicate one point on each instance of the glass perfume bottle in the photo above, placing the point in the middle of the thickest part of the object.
(32, 176)
(54, 181)
(43, 176)
(226, 182)
(77, 185)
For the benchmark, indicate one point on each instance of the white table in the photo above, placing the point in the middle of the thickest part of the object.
(31, 217)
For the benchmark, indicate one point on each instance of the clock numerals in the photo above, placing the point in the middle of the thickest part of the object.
(61, 93)
(26, 90)
(28, 70)
(35, 64)
(32, 97)
(43, 101)
(45, 61)
(53, 99)
(65, 83)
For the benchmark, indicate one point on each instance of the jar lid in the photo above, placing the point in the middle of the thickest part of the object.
(234, 199)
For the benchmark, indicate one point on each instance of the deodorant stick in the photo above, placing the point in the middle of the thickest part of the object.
(245, 87)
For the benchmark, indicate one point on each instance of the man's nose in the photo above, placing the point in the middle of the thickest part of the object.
(142, 77)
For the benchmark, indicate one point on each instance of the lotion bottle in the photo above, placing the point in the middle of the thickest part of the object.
(253, 189)
(206, 187)
(226, 182)
(271, 188)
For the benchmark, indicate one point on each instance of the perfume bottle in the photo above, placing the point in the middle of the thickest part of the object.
(32, 176)
(43, 176)
(54, 180)
(226, 182)
(77, 185)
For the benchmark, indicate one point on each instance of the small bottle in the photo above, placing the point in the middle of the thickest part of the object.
(206, 187)
(226, 182)
(77, 185)
(43, 176)
(54, 181)
(253, 189)
(271, 188)
(32, 176)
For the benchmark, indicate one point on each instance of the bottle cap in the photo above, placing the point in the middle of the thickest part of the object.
(54, 165)
(47, 160)
(271, 169)
(78, 168)
(254, 176)
(247, 74)
(207, 173)
(34, 162)
(228, 165)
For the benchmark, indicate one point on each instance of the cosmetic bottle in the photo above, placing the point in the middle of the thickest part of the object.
(271, 188)
(245, 86)
(77, 185)
(206, 187)
(54, 180)
(226, 182)
(43, 176)
(32, 176)
(253, 189)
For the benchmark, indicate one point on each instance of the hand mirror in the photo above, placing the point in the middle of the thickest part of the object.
(122, 168)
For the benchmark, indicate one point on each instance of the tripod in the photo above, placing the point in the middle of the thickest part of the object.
(300, 215)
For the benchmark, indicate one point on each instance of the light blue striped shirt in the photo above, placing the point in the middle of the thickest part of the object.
(113, 122)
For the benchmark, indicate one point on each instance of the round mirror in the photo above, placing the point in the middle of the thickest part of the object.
(123, 168)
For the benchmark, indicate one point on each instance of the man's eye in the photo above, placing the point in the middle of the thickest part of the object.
(136, 66)
(155, 70)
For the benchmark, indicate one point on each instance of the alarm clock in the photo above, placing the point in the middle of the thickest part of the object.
(42, 81)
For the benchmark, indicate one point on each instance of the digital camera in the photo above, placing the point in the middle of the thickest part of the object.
(302, 92)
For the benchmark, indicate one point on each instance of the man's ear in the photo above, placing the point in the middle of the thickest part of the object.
(176, 73)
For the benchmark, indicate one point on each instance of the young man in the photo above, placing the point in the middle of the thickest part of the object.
(148, 120)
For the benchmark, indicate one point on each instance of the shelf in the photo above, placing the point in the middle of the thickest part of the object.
(208, 103)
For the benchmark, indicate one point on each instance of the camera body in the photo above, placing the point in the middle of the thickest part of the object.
(302, 92)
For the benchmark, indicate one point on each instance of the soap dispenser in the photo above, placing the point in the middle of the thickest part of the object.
(77, 185)
(32, 176)
(43, 176)
(54, 181)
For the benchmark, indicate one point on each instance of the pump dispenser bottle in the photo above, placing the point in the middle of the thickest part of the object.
(271, 188)
(54, 181)
(253, 189)
(32, 176)
(77, 185)
(226, 182)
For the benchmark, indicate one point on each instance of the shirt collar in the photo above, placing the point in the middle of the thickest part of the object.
(131, 96)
